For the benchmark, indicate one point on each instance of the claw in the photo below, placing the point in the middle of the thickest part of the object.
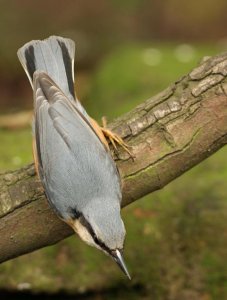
(114, 138)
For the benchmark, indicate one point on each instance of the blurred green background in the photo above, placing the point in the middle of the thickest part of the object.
(126, 51)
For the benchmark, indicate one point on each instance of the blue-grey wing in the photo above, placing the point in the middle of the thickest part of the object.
(74, 166)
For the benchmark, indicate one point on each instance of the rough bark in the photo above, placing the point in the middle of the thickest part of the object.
(168, 134)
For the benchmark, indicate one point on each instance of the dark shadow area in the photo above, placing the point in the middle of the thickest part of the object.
(117, 292)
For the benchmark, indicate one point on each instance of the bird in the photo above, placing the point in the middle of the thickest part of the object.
(72, 158)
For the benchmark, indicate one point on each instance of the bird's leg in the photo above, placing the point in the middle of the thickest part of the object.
(114, 138)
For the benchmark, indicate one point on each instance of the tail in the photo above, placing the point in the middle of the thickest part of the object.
(54, 56)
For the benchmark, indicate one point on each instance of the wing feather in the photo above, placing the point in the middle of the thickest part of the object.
(74, 165)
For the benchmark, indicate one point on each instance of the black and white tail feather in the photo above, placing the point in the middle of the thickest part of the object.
(54, 56)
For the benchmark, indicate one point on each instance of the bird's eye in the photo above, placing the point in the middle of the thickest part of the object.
(75, 214)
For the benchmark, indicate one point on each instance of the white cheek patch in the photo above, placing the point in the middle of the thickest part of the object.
(84, 234)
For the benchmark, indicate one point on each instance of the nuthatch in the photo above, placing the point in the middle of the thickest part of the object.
(71, 154)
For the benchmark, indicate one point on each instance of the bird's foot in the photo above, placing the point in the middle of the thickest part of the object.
(114, 138)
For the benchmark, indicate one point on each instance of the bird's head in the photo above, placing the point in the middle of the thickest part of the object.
(102, 229)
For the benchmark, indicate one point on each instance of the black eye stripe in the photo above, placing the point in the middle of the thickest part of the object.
(74, 213)
(77, 215)
(86, 224)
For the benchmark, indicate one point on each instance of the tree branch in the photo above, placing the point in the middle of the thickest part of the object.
(169, 134)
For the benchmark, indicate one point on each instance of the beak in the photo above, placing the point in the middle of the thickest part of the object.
(116, 255)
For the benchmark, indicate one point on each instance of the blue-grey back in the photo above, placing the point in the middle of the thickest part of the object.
(75, 167)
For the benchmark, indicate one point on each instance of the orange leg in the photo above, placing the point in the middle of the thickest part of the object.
(35, 156)
(104, 134)
(114, 138)
(98, 130)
